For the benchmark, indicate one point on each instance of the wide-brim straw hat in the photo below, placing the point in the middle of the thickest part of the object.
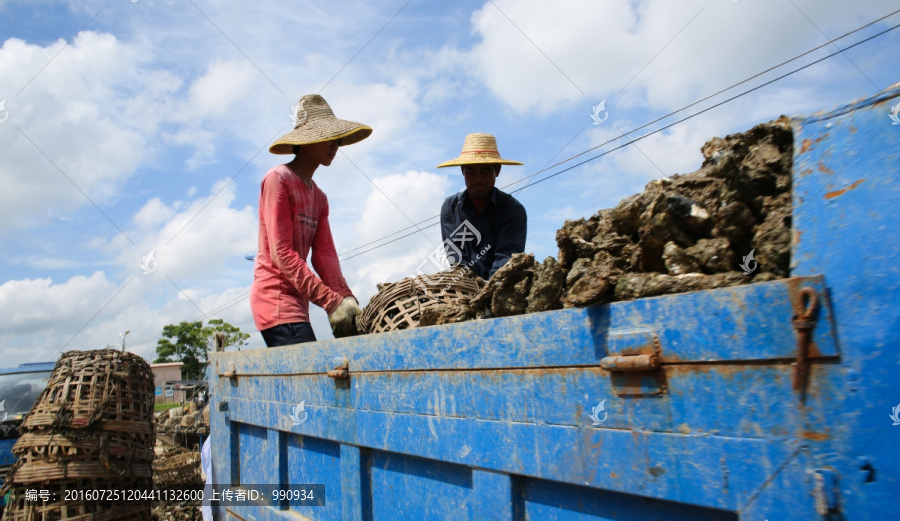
(315, 122)
(479, 149)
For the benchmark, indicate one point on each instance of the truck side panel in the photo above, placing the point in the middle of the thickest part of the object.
(515, 419)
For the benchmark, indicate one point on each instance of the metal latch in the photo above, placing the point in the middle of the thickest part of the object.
(630, 363)
(804, 321)
(341, 370)
(636, 368)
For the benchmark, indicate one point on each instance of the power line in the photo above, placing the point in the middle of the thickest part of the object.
(215, 311)
(344, 254)
(682, 109)
(623, 145)
(704, 110)
(389, 242)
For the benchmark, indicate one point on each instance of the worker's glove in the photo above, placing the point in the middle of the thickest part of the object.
(343, 319)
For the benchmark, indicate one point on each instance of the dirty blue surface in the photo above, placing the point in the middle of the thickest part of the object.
(847, 214)
(492, 420)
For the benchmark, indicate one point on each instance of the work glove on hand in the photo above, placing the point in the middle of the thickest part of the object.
(343, 318)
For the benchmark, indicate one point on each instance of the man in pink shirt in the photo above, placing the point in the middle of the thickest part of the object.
(293, 219)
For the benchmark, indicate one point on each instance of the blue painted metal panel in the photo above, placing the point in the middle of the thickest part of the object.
(6, 456)
(354, 479)
(847, 195)
(34, 367)
(521, 420)
(550, 501)
(492, 419)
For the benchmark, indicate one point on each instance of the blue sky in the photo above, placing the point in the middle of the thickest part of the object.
(138, 126)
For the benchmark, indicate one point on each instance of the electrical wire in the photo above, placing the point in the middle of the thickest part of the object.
(215, 311)
(623, 145)
(670, 125)
(345, 256)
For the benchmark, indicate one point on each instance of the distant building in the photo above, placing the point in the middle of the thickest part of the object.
(167, 372)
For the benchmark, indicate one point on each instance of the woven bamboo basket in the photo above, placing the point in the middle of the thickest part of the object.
(91, 429)
(400, 305)
(181, 468)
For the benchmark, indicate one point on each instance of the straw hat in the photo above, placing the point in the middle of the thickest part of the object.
(479, 149)
(314, 122)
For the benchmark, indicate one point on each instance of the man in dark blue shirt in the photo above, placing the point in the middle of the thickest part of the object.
(481, 226)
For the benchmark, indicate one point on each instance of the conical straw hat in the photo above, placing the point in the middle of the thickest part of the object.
(479, 149)
(314, 123)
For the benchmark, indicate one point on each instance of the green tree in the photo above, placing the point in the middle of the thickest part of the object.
(190, 342)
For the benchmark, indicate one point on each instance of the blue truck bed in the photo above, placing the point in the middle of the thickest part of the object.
(562, 415)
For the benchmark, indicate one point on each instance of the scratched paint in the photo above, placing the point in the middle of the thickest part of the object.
(842, 191)
(853, 241)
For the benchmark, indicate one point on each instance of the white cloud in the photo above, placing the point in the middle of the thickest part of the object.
(90, 312)
(195, 243)
(38, 303)
(420, 195)
(152, 214)
(224, 84)
(603, 46)
(58, 128)
(168, 107)
(199, 272)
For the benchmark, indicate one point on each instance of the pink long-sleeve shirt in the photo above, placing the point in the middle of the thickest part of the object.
(293, 218)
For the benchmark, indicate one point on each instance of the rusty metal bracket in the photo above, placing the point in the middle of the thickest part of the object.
(637, 369)
(340, 371)
(630, 363)
(804, 322)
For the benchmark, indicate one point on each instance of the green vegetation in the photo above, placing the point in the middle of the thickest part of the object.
(165, 406)
(189, 343)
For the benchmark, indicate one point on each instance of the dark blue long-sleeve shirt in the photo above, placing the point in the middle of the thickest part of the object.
(483, 241)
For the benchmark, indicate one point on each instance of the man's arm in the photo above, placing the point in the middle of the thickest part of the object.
(279, 221)
(513, 230)
(325, 258)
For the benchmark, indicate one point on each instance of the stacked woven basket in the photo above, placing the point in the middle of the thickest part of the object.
(400, 305)
(91, 429)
